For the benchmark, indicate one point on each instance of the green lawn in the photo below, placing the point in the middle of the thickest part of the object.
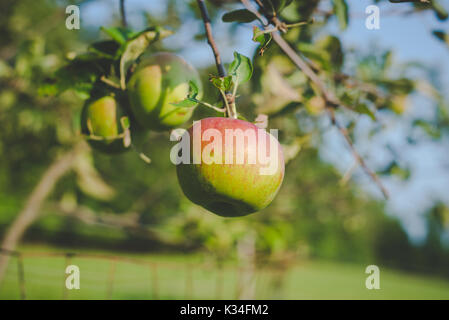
(193, 277)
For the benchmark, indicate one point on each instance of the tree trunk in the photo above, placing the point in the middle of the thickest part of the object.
(32, 207)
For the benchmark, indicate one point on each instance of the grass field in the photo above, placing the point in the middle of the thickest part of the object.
(151, 276)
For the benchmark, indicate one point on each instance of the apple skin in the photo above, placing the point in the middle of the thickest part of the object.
(159, 80)
(104, 115)
(230, 190)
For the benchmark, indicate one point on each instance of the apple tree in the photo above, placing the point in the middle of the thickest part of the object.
(126, 94)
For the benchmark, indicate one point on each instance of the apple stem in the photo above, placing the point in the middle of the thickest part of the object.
(232, 98)
(232, 107)
(231, 110)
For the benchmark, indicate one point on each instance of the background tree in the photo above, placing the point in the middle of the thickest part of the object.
(120, 202)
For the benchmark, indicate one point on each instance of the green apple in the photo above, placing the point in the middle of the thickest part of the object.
(100, 122)
(236, 185)
(158, 81)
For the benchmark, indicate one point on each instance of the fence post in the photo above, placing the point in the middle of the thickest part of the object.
(153, 269)
(189, 281)
(21, 276)
(111, 279)
(219, 284)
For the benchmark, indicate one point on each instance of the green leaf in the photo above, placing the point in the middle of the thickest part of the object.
(224, 84)
(241, 15)
(119, 34)
(228, 83)
(193, 89)
(280, 5)
(241, 68)
(269, 7)
(186, 103)
(217, 82)
(398, 86)
(317, 54)
(441, 35)
(396, 170)
(257, 32)
(80, 75)
(105, 49)
(387, 60)
(136, 46)
(439, 9)
(124, 121)
(341, 11)
(332, 47)
(261, 37)
(430, 129)
(363, 109)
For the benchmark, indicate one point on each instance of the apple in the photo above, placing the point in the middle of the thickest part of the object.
(228, 175)
(100, 119)
(158, 81)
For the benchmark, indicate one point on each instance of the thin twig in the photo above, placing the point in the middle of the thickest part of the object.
(296, 59)
(348, 173)
(122, 13)
(331, 100)
(109, 82)
(401, 1)
(223, 95)
(272, 17)
(228, 99)
(355, 154)
(222, 110)
(210, 38)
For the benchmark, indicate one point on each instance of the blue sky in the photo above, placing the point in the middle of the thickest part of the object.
(410, 38)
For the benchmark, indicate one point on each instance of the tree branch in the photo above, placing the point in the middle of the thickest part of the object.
(122, 13)
(210, 38)
(32, 207)
(128, 222)
(355, 154)
(331, 100)
(228, 98)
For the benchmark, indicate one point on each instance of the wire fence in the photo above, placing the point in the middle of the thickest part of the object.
(42, 275)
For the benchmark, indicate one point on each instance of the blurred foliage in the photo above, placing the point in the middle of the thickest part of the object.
(312, 216)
